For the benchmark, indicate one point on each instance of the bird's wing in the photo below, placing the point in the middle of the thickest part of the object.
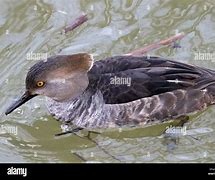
(123, 79)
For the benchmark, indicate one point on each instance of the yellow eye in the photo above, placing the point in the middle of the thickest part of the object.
(40, 84)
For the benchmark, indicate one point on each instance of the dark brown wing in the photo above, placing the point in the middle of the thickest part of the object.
(138, 77)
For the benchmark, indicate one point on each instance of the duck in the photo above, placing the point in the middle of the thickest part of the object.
(118, 91)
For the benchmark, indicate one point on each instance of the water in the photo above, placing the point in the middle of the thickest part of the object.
(114, 28)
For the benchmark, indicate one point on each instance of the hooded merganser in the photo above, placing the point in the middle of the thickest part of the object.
(97, 95)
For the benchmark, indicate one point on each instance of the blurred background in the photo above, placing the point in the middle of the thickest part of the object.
(114, 27)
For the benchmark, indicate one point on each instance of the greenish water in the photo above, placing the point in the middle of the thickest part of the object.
(115, 27)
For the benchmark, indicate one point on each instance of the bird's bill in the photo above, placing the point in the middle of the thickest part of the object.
(23, 99)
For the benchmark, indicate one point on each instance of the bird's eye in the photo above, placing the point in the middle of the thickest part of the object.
(40, 84)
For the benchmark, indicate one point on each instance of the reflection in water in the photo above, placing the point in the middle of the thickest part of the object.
(115, 27)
